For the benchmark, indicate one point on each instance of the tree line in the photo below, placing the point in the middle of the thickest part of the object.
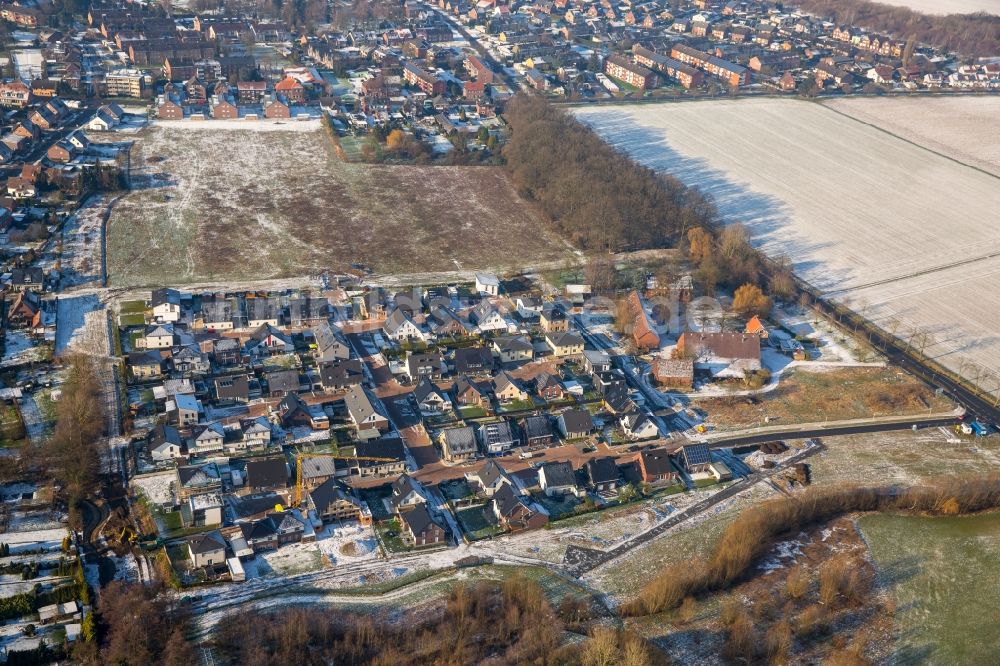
(511, 622)
(968, 34)
(596, 196)
(748, 539)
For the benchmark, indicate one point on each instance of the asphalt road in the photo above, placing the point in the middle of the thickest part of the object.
(833, 429)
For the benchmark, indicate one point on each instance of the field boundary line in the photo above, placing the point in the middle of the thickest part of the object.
(823, 104)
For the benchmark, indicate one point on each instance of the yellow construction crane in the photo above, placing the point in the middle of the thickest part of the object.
(332, 456)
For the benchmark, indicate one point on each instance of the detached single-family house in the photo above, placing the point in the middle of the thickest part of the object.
(407, 493)
(557, 479)
(365, 412)
(513, 513)
(498, 437)
(486, 318)
(536, 431)
(145, 364)
(507, 390)
(332, 502)
(208, 439)
(339, 374)
(207, 550)
(487, 283)
(469, 393)
(424, 365)
(268, 340)
(602, 474)
(490, 478)
(166, 305)
(458, 443)
(473, 361)
(564, 343)
(514, 349)
(164, 443)
(575, 423)
(655, 467)
(696, 458)
(330, 346)
(548, 387)
(638, 425)
(157, 336)
(420, 528)
(400, 327)
(430, 399)
(553, 318)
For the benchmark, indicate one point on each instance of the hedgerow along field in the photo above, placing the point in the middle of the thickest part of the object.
(214, 202)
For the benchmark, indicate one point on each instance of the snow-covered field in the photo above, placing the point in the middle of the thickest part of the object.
(895, 230)
(156, 487)
(82, 256)
(947, 6)
(19, 348)
(965, 128)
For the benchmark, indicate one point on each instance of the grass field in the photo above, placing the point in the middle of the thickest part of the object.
(806, 396)
(943, 575)
(911, 246)
(223, 203)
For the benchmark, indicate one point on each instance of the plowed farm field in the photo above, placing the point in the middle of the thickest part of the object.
(891, 226)
(215, 202)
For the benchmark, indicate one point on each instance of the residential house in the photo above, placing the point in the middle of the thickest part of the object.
(695, 458)
(26, 312)
(207, 550)
(473, 361)
(267, 475)
(166, 305)
(421, 529)
(638, 426)
(469, 393)
(506, 389)
(655, 467)
(231, 390)
(564, 343)
(164, 443)
(365, 412)
(602, 474)
(254, 434)
(400, 327)
(513, 348)
(575, 423)
(490, 477)
(553, 319)
(282, 382)
(183, 410)
(487, 283)
(407, 493)
(330, 346)
(443, 322)
(424, 365)
(595, 361)
(208, 439)
(273, 531)
(379, 457)
(487, 318)
(157, 336)
(497, 437)
(193, 480)
(145, 364)
(339, 374)
(536, 431)
(268, 340)
(557, 479)
(458, 444)
(430, 399)
(188, 361)
(332, 502)
(294, 412)
(513, 513)
(640, 327)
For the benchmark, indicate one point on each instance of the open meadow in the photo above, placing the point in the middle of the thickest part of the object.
(212, 201)
(942, 573)
(896, 230)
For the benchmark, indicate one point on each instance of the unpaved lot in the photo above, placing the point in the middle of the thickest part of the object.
(217, 202)
(897, 231)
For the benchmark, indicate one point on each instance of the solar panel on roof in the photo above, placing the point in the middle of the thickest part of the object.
(697, 455)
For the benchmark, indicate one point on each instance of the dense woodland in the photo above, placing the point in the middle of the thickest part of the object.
(596, 196)
(968, 34)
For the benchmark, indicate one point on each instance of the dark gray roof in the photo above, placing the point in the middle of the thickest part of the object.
(577, 420)
(207, 543)
(418, 519)
(558, 474)
(473, 360)
(696, 454)
(601, 470)
(327, 493)
(283, 380)
(342, 372)
(391, 447)
(535, 427)
(267, 473)
(460, 440)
